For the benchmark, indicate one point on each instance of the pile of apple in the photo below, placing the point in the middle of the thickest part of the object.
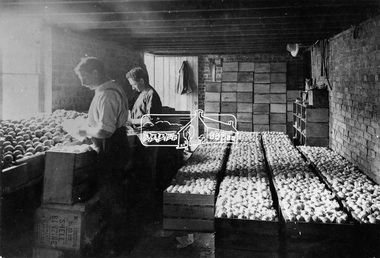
(245, 198)
(27, 137)
(301, 194)
(359, 193)
(193, 186)
(246, 160)
(198, 175)
(247, 137)
(210, 151)
(245, 193)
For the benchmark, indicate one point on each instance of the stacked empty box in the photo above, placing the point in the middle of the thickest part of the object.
(256, 93)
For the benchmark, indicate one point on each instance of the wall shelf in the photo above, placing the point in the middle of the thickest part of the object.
(310, 125)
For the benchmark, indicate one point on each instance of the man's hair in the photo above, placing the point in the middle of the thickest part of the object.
(138, 73)
(89, 64)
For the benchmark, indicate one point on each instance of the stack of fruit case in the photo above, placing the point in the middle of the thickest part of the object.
(359, 193)
(189, 202)
(245, 218)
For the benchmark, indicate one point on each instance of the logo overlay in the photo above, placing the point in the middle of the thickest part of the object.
(182, 131)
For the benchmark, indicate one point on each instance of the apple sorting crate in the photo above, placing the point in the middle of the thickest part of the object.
(23, 172)
(250, 235)
(71, 173)
(67, 227)
(313, 238)
(188, 212)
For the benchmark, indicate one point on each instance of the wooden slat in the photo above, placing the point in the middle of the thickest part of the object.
(246, 66)
(317, 115)
(262, 88)
(260, 128)
(230, 66)
(230, 77)
(14, 177)
(244, 117)
(188, 211)
(261, 119)
(244, 126)
(229, 86)
(244, 107)
(245, 76)
(245, 87)
(244, 97)
(188, 199)
(228, 97)
(261, 108)
(213, 87)
(228, 107)
(262, 68)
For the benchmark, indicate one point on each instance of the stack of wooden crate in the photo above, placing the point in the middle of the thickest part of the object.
(69, 218)
(256, 93)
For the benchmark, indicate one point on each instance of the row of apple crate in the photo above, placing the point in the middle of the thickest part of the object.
(290, 210)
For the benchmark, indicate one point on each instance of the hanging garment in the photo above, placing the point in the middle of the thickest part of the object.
(184, 80)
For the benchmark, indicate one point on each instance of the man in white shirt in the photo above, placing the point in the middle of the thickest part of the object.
(107, 117)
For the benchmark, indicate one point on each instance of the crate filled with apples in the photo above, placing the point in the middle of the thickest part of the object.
(245, 214)
(25, 141)
(311, 212)
(189, 201)
(359, 194)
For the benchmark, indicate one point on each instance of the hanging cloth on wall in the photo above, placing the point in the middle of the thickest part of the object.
(184, 80)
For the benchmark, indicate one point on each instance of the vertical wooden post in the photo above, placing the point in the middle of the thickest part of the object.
(1, 83)
(45, 71)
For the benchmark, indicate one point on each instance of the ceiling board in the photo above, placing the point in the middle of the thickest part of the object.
(196, 26)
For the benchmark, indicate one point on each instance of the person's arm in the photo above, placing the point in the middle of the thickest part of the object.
(154, 105)
(94, 132)
(109, 106)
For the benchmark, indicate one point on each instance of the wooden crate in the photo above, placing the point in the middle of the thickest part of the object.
(318, 98)
(245, 87)
(367, 240)
(35, 165)
(14, 177)
(229, 86)
(262, 88)
(213, 87)
(244, 97)
(262, 67)
(229, 76)
(246, 66)
(302, 238)
(228, 107)
(245, 76)
(212, 96)
(278, 88)
(67, 227)
(230, 66)
(194, 212)
(71, 173)
(245, 126)
(252, 235)
(262, 78)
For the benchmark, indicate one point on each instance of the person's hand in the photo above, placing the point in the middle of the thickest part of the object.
(128, 123)
(145, 119)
